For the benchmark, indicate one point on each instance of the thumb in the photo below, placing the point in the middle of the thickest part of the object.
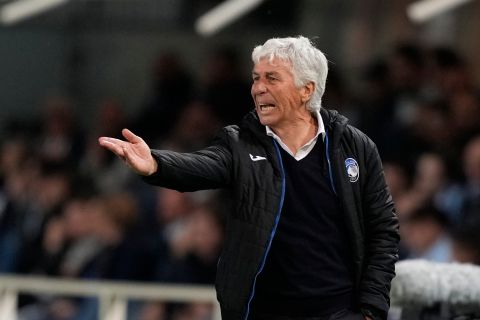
(130, 136)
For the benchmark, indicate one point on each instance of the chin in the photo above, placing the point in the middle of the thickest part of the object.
(263, 120)
(266, 120)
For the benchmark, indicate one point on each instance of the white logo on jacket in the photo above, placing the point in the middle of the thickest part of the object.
(353, 171)
(257, 158)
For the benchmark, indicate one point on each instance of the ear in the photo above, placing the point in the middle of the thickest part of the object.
(307, 91)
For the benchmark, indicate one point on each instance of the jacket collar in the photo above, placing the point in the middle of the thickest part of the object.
(334, 122)
(335, 125)
(252, 123)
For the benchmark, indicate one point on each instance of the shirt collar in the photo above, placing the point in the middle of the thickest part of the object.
(320, 129)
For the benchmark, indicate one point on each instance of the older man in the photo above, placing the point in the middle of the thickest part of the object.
(314, 233)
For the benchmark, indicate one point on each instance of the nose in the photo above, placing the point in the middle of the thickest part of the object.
(258, 87)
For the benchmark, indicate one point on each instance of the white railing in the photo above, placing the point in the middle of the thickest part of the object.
(112, 295)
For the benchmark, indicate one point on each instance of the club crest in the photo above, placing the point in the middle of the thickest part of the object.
(353, 171)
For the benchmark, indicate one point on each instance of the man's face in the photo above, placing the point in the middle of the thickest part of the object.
(277, 99)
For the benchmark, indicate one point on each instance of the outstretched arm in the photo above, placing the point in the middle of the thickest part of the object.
(204, 169)
(134, 151)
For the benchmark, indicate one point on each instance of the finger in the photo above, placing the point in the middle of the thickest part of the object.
(130, 136)
(114, 147)
(112, 140)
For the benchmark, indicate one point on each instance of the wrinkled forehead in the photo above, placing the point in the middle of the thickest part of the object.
(272, 63)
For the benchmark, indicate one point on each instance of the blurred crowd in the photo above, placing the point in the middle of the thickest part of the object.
(422, 108)
(69, 208)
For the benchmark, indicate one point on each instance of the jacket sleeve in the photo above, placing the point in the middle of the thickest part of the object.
(381, 239)
(204, 169)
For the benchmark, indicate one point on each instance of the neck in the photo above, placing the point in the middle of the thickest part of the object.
(298, 131)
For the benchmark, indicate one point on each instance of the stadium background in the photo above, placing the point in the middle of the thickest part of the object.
(89, 68)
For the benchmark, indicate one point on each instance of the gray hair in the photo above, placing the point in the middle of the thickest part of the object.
(309, 64)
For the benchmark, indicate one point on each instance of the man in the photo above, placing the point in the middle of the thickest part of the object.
(314, 234)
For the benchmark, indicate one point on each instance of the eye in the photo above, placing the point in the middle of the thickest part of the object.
(272, 78)
(255, 78)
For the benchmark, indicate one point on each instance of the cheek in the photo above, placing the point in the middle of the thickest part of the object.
(292, 94)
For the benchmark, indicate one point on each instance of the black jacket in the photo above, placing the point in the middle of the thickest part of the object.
(258, 190)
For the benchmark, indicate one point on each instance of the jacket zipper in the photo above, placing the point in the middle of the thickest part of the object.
(272, 234)
(330, 175)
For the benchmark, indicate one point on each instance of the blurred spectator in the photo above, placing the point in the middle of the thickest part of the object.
(78, 238)
(196, 126)
(97, 240)
(14, 182)
(49, 190)
(377, 104)
(195, 250)
(466, 243)
(464, 118)
(430, 178)
(13, 154)
(192, 258)
(461, 199)
(60, 139)
(172, 208)
(110, 118)
(470, 205)
(113, 218)
(406, 65)
(152, 311)
(447, 73)
(336, 97)
(396, 178)
(106, 172)
(424, 234)
(451, 82)
(389, 99)
(194, 311)
(224, 88)
(429, 127)
(172, 90)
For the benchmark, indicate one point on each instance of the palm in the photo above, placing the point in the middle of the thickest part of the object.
(134, 151)
(139, 155)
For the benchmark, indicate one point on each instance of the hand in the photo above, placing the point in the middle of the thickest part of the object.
(135, 152)
(368, 318)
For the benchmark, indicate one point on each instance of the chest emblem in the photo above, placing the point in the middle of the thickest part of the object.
(353, 171)
(257, 158)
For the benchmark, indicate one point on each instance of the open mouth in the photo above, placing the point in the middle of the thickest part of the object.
(266, 106)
